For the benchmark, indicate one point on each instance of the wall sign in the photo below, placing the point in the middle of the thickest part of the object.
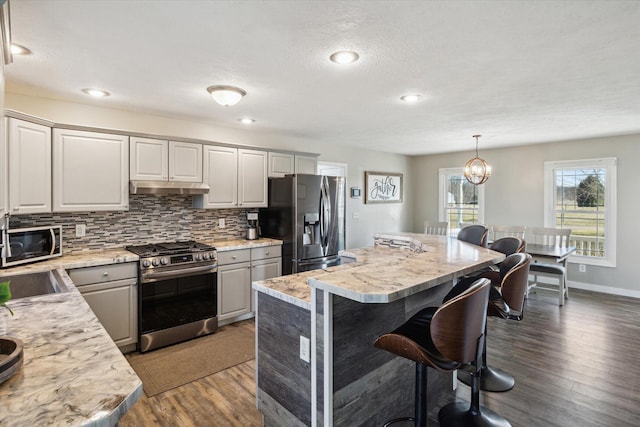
(382, 187)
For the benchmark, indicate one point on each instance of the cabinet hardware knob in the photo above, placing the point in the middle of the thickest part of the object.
(105, 273)
(234, 257)
(267, 253)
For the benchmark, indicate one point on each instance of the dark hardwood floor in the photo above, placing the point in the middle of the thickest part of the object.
(576, 365)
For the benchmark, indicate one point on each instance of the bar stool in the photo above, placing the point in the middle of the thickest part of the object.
(445, 338)
(506, 300)
(476, 234)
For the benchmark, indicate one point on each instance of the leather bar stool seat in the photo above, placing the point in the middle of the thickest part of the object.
(506, 300)
(445, 338)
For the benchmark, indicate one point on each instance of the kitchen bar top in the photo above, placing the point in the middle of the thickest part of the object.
(401, 265)
(73, 373)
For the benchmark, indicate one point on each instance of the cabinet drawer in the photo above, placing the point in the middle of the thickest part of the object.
(103, 273)
(266, 252)
(231, 257)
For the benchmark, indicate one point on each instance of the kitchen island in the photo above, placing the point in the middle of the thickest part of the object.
(316, 364)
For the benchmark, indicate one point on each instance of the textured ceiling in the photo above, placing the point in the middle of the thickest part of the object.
(517, 72)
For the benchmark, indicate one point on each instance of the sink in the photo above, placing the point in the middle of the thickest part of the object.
(34, 284)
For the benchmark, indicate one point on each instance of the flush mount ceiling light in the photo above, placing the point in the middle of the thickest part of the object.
(16, 49)
(477, 171)
(247, 120)
(344, 57)
(226, 95)
(411, 98)
(98, 93)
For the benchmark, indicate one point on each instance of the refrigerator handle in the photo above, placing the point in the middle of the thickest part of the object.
(325, 215)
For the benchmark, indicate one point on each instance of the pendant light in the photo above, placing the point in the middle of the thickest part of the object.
(477, 171)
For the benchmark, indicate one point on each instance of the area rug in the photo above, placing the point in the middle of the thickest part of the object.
(170, 367)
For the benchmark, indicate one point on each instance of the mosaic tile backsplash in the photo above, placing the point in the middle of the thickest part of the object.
(150, 219)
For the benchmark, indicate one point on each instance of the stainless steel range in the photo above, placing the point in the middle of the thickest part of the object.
(177, 292)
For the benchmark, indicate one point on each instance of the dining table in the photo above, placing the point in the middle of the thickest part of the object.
(552, 254)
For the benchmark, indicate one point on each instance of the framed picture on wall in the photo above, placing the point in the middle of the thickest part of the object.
(382, 187)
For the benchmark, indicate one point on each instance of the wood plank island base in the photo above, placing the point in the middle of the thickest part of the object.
(341, 311)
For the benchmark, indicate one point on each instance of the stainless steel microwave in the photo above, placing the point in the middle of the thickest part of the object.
(24, 245)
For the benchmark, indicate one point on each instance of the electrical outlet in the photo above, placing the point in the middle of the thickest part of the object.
(81, 230)
(221, 223)
(355, 215)
(582, 268)
(304, 348)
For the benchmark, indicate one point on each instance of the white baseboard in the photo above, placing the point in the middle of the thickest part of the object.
(603, 289)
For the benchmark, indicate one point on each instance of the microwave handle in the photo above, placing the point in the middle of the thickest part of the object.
(53, 241)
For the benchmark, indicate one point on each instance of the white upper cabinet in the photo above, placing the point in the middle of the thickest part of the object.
(29, 167)
(90, 171)
(306, 164)
(221, 174)
(252, 178)
(162, 160)
(185, 161)
(149, 159)
(280, 164)
(236, 178)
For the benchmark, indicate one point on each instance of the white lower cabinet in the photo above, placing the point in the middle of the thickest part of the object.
(266, 263)
(111, 292)
(234, 285)
(237, 269)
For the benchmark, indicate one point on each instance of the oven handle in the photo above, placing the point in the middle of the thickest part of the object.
(180, 273)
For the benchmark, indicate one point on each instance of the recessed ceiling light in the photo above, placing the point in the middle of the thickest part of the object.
(16, 49)
(411, 98)
(98, 93)
(344, 57)
(247, 120)
(226, 95)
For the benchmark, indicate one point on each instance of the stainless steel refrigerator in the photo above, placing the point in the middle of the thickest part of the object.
(306, 212)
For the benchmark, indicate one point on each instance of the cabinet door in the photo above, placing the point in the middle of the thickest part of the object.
(252, 178)
(90, 171)
(115, 306)
(306, 164)
(280, 164)
(234, 290)
(148, 159)
(185, 161)
(263, 270)
(221, 173)
(29, 167)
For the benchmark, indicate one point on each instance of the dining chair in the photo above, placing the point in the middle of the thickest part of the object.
(436, 228)
(550, 237)
(499, 231)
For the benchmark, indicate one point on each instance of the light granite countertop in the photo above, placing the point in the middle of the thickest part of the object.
(73, 373)
(381, 274)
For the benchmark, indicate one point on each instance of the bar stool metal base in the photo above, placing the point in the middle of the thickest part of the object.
(459, 414)
(398, 420)
(491, 379)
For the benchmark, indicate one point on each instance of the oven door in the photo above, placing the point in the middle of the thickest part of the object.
(176, 298)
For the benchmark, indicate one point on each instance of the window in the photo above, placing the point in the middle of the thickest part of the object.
(581, 195)
(460, 203)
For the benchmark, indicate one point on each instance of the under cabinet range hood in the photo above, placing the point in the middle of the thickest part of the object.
(166, 187)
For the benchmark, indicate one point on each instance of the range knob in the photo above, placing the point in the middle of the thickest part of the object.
(212, 255)
(205, 256)
(197, 257)
(146, 263)
(164, 261)
(155, 262)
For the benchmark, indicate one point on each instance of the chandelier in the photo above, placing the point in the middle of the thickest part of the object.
(477, 171)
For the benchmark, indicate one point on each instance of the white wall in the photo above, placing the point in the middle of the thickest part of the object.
(372, 218)
(514, 195)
